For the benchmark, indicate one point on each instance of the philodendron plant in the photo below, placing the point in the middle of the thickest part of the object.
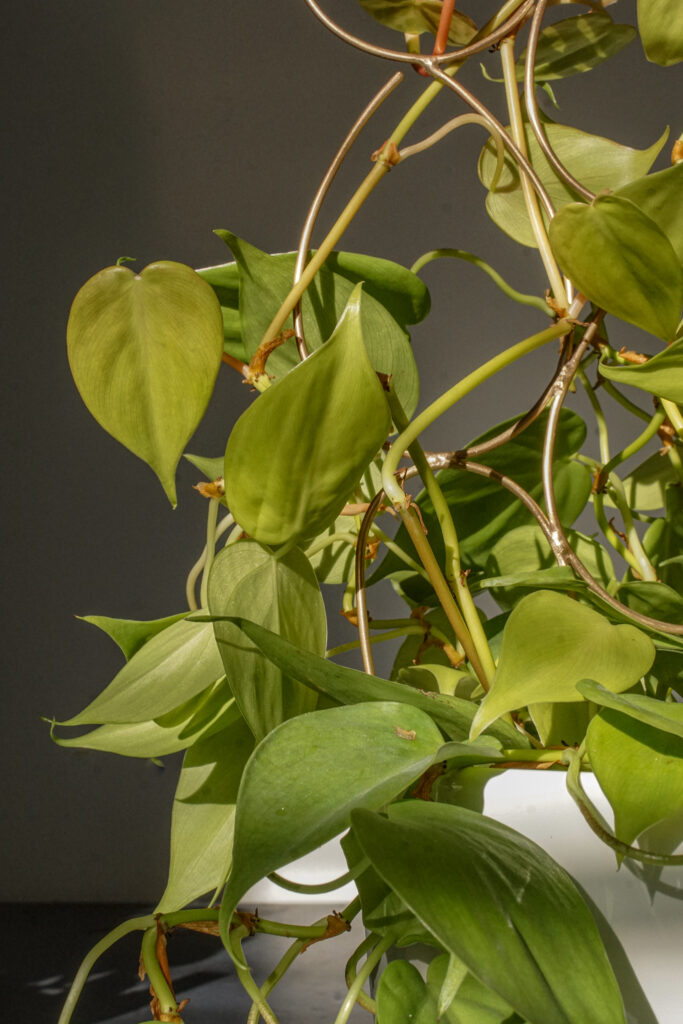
(580, 668)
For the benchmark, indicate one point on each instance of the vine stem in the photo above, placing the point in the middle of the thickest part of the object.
(211, 520)
(507, 55)
(158, 982)
(366, 970)
(134, 924)
(194, 572)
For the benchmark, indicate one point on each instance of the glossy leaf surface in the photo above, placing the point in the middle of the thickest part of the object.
(295, 455)
(621, 260)
(204, 814)
(418, 16)
(550, 643)
(662, 375)
(660, 23)
(129, 634)
(144, 351)
(596, 162)
(306, 777)
(393, 298)
(283, 595)
(170, 669)
(350, 686)
(493, 897)
(639, 768)
(178, 729)
(576, 44)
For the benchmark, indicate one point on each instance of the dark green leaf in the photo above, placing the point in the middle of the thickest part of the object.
(144, 351)
(596, 162)
(576, 44)
(660, 23)
(472, 1001)
(484, 511)
(621, 260)
(493, 898)
(551, 643)
(282, 594)
(203, 815)
(306, 777)
(403, 996)
(129, 634)
(662, 375)
(171, 668)
(295, 455)
(350, 686)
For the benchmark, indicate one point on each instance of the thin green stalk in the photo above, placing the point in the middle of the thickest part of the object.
(392, 634)
(644, 566)
(507, 54)
(507, 289)
(635, 446)
(157, 979)
(134, 924)
(601, 422)
(328, 540)
(211, 519)
(392, 546)
(194, 572)
(275, 976)
(609, 388)
(320, 887)
(366, 970)
(351, 972)
(675, 460)
(457, 580)
(244, 974)
(674, 414)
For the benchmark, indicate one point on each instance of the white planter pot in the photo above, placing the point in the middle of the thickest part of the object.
(642, 930)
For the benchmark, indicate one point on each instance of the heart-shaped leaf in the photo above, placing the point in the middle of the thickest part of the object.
(129, 634)
(550, 643)
(203, 815)
(662, 375)
(596, 162)
(283, 595)
(306, 777)
(493, 897)
(350, 686)
(576, 44)
(294, 456)
(639, 768)
(621, 260)
(660, 23)
(171, 668)
(180, 728)
(144, 351)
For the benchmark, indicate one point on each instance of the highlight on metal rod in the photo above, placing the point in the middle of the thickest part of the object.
(414, 58)
(361, 604)
(532, 106)
(323, 189)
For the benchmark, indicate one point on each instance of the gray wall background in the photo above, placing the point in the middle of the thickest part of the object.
(134, 128)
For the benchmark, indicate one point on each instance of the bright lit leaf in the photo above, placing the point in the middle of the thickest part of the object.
(144, 351)
(662, 715)
(294, 456)
(550, 643)
(660, 23)
(659, 197)
(662, 375)
(129, 634)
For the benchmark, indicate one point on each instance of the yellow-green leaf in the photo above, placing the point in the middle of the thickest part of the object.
(660, 23)
(662, 375)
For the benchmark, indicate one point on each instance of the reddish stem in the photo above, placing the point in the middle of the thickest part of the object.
(444, 28)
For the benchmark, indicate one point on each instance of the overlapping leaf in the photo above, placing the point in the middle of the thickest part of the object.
(418, 16)
(662, 375)
(130, 634)
(306, 777)
(659, 197)
(576, 44)
(294, 456)
(551, 643)
(515, 896)
(203, 815)
(283, 595)
(144, 351)
(621, 260)
(596, 162)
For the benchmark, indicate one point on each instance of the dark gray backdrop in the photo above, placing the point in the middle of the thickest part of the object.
(132, 129)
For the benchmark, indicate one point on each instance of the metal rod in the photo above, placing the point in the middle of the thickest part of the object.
(532, 106)
(414, 58)
(340, 156)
